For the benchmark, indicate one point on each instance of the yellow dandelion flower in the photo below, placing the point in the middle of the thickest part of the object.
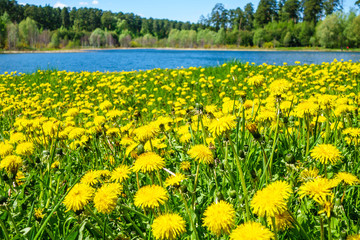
(168, 226)
(113, 132)
(38, 213)
(219, 218)
(80, 195)
(251, 231)
(326, 153)
(11, 163)
(106, 197)
(353, 237)
(150, 196)
(281, 187)
(90, 178)
(309, 174)
(5, 149)
(20, 178)
(76, 133)
(105, 105)
(174, 180)
(306, 108)
(126, 141)
(283, 221)
(146, 132)
(99, 120)
(279, 87)
(317, 189)
(256, 80)
(55, 164)
(348, 178)
(271, 200)
(202, 154)
(185, 138)
(17, 137)
(220, 125)
(327, 205)
(120, 174)
(185, 165)
(25, 148)
(148, 162)
(211, 108)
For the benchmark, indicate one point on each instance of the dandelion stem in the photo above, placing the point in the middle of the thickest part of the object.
(322, 228)
(6, 233)
(242, 180)
(43, 225)
(100, 222)
(189, 215)
(134, 211)
(12, 220)
(274, 226)
(195, 182)
(299, 225)
(329, 228)
(226, 162)
(133, 224)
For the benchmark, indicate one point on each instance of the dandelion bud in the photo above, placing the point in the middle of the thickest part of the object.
(246, 148)
(233, 194)
(289, 158)
(140, 149)
(220, 196)
(253, 130)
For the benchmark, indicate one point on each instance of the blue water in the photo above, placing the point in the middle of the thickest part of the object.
(143, 59)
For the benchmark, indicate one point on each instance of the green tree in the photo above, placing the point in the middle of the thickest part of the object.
(65, 17)
(125, 39)
(259, 37)
(220, 36)
(97, 38)
(219, 16)
(330, 31)
(290, 11)
(236, 18)
(266, 12)
(307, 30)
(28, 32)
(331, 6)
(55, 40)
(108, 20)
(352, 30)
(248, 17)
(312, 10)
(12, 35)
(4, 20)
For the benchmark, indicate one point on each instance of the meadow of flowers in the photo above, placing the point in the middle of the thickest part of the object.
(237, 151)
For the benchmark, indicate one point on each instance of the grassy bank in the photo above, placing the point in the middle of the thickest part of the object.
(221, 48)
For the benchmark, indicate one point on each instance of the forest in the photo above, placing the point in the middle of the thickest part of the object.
(272, 24)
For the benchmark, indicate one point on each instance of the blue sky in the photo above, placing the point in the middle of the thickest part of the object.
(183, 10)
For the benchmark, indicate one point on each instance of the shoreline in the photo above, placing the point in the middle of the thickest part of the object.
(79, 50)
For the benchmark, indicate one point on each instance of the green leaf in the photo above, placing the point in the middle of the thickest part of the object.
(73, 234)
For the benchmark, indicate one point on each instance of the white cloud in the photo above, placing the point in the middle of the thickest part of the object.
(60, 5)
(22, 4)
(83, 3)
(95, 2)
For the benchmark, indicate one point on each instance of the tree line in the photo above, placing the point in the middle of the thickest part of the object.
(284, 23)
